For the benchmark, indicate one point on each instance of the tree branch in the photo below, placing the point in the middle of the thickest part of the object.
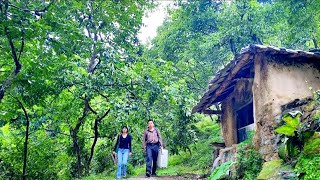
(35, 12)
(17, 69)
(13, 49)
(93, 63)
(22, 43)
(106, 97)
(84, 115)
(90, 108)
(232, 46)
(74, 132)
(96, 135)
(314, 40)
(24, 171)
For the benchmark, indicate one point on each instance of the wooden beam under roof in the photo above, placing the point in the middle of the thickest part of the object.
(210, 111)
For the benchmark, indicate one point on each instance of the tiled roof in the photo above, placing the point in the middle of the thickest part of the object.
(224, 78)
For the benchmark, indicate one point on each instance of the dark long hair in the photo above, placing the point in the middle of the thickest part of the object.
(126, 128)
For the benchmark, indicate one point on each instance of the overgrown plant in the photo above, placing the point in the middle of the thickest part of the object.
(296, 134)
(292, 142)
(249, 161)
(307, 166)
(221, 171)
(317, 97)
(301, 142)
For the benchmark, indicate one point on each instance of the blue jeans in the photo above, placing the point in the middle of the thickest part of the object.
(123, 155)
(152, 156)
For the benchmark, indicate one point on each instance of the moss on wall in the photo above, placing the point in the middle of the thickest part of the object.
(272, 169)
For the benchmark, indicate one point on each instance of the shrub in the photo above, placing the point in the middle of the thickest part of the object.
(249, 161)
(307, 166)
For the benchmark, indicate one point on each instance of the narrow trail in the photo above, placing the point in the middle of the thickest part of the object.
(184, 177)
(151, 178)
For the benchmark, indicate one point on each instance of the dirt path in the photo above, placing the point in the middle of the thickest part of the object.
(185, 177)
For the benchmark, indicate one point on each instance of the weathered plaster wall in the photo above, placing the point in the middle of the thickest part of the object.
(277, 83)
(239, 97)
(290, 82)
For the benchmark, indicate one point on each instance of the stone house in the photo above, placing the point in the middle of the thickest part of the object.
(253, 87)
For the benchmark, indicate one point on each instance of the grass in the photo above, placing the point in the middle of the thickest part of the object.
(175, 170)
(102, 176)
(176, 167)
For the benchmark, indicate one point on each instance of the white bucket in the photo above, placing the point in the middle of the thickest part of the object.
(162, 161)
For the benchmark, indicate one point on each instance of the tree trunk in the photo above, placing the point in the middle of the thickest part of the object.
(256, 39)
(189, 150)
(15, 56)
(96, 136)
(77, 149)
(232, 47)
(74, 132)
(314, 40)
(25, 150)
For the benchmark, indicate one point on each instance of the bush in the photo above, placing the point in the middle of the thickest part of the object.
(178, 159)
(249, 161)
(102, 159)
(307, 166)
(130, 169)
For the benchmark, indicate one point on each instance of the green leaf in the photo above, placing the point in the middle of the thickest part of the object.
(220, 171)
(292, 121)
(286, 130)
(282, 151)
(5, 129)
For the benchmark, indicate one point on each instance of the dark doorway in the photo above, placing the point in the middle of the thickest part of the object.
(244, 120)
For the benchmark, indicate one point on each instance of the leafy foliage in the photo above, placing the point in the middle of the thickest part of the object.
(69, 61)
(220, 171)
(301, 145)
(312, 145)
(298, 136)
(307, 166)
(249, 161)
(291, 125)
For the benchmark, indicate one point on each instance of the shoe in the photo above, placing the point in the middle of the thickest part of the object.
(154, 175)
(148, 174)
